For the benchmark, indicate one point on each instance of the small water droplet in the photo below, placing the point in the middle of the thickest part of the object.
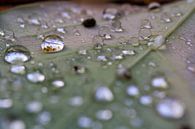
(104, 115)
(58, 83)
(34, 107)
(18, 69)
(79, 69)
(146, 24)
(159, 82)
(128, 52)
(132, 90)
(166, 18)
(44, 118)
(146, 100)
(103, 94)
(102, 58)
(171, 108)
(85, 122)
(5, 103)
(17, 124)
(116, 26)
(61, 30)
(105, 33)
(123, 72)
(76, 101)
(111, 14)
(144, 34)
(35, 77)
(52, 43)
(82, 52)
(17, 54)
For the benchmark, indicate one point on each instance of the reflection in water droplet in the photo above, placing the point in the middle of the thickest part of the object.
(17, 54)
(171, 108)
(103, 94)
(52, 43)
(104, 115)
(35, 77)
(18, 69)
(159, 82)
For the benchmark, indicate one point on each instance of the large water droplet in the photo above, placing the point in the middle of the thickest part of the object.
(18, 69)
(17, 54)
(58, 83)
(171, 108)
(52, 43)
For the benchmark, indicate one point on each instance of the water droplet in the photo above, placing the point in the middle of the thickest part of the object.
(18, 69)
(35, 77)
(117, 57)
(77, 33)
(103, 94)
(153, 6)
(134, 41)
(76, 101)
(111, 14)
(128, 52)
(82, 52)
(158, 42)
(133, 90)
(159, 82)
(52, 43)
(146, 100)
(102, 58)
(17, 54)
(104, 115)
(123, 72)
(17, 124)
(146, 24)
(105, 33)
(44, 118)
(5, 103)
(144, 34)
(61, 30)
(85, 122)
(34, 21)
(79, 69)
(171, 108)
(166, 18)
(58, 83)
(116, 26)
(34, 107)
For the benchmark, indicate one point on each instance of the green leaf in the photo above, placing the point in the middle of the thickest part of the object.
(119, 64)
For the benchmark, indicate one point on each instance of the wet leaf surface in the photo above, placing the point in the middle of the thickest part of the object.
(134, 69)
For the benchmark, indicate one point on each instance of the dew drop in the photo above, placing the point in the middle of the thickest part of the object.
(102, 58)
(104, 115)
(17, 54)
(79, 69)
(85, 122)
(153, 6)
(105, 33)
(76, 101)
(5, 103)
(166, 18)
(111, 14)
(116, 26)
(159, 82)
(58, 83)
(35, 77)
(17, 124)
(103, 94)
(18, 69)
(171, 108)
(133, 90)
(61, 30)
(144, 34)
(44, 118)
(146, 24)
(123, 72)
(128, 52)
(34, 107)
(146, 100)
(52, 43)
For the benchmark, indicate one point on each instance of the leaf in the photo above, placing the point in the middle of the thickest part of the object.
(44, 105)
